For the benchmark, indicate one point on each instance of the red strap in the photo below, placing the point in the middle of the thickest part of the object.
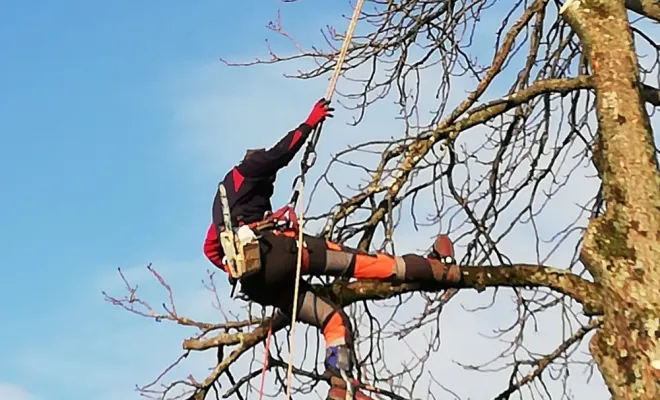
(282, 214)
(285, 213)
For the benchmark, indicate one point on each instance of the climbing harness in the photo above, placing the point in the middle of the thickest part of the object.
(283, 218)
(241, 245)
(305, 165)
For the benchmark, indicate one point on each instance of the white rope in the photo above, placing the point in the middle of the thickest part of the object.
(328, 95)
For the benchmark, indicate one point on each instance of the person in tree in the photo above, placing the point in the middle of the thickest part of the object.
(249, 187)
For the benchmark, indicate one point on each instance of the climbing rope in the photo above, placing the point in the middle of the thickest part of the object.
(266, 358)
(301, 182)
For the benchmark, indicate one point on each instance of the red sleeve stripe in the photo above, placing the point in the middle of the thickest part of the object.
(296, 137)
(212, 249)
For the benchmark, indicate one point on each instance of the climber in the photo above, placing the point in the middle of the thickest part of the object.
(249, 187)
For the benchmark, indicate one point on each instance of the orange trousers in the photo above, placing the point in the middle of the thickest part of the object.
(274, 284)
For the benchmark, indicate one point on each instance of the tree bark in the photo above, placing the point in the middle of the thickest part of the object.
(621, 249)
(646, 8)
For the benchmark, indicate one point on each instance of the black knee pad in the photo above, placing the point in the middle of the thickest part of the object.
(417, 268)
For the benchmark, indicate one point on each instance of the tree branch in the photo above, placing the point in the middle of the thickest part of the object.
(543, 363)
(646, 8)
(620, 247)
(346, 293)
(479, 278)
(651, 95)
(416, 151)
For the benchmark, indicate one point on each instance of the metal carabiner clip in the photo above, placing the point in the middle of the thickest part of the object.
(310, 163)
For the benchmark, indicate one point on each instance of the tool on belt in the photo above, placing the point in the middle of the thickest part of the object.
(241, 245)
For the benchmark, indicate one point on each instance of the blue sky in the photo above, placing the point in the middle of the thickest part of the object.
(97, 175)
(116, 120)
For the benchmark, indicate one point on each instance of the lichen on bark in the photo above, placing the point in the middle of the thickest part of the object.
(622, 247)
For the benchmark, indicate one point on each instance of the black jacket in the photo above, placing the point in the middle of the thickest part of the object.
(249, 185)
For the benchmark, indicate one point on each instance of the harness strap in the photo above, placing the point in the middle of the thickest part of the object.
(285, 215)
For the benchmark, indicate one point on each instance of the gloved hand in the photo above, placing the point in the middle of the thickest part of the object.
(320, 111)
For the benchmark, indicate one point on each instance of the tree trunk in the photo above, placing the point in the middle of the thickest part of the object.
(621, 249)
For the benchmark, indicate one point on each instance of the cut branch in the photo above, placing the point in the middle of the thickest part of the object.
(651, 95)
(646, 8)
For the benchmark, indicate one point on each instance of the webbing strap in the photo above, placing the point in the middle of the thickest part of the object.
(285, 214)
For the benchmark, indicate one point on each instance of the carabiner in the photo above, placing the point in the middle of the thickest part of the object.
(310, 164)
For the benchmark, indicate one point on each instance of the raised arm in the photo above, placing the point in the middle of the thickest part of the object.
(268, 162)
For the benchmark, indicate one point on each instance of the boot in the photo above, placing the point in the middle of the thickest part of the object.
(339, 393)
(338, 390)
(443, 250)
(337, 359)
(443, 264)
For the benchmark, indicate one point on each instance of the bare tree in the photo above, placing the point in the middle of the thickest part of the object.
(568, 94)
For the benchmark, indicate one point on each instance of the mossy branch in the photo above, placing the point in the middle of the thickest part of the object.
(346, 293)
